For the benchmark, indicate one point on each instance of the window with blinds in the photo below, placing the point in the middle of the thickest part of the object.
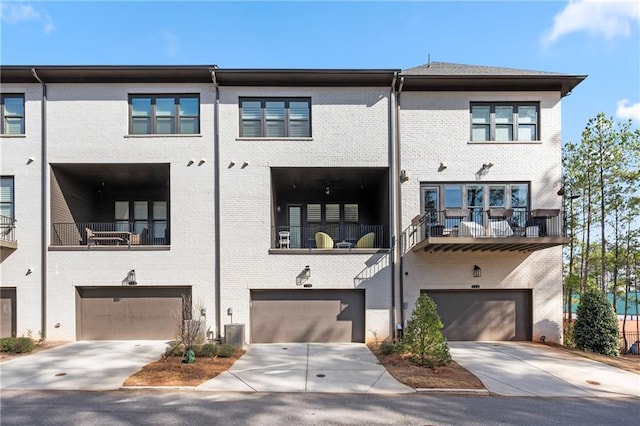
(6, 197)
(275, 117)
(12, 108)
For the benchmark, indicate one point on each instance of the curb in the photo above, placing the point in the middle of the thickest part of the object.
(183, 388)
(454, 391)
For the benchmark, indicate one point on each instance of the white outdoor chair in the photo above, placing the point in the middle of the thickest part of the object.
(285, 239)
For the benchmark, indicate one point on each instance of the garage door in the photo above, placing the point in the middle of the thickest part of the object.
(129, 313)
(484, 315)
(8, 312)
(279, 316)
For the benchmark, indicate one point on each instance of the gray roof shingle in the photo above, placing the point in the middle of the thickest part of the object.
(450, 69)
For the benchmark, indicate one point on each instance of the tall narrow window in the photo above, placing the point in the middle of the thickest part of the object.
(475, 202)
(6, 197)
(12, 114)
(122, 215)
(275, 118)
(140, 216)
(160, 220)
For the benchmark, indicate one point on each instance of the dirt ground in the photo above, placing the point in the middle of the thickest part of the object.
(625, 362)
(172, 372)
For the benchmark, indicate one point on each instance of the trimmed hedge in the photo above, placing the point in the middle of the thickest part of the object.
(596, 326)
(17, 345)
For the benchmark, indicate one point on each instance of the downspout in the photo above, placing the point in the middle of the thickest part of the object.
(392, 183)
(399, 206)
(216, 202)
(43, 204)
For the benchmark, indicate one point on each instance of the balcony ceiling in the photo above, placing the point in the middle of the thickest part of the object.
(314, 179)
(148, 175)
(508, 244)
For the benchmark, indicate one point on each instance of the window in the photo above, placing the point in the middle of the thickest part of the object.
(164, 114)
(479, 198)
(6, 197)
(275, 118)
(505, 122)
(12, 114)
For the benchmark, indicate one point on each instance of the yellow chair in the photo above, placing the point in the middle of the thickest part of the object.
(323, 240)
(366, 241)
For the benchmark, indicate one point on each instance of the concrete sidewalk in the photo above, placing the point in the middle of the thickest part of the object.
(307, 367)
(531, 369)
(84, 365)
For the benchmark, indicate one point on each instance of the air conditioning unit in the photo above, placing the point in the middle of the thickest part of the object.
(234, 334)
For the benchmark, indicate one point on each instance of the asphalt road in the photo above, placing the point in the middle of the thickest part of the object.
(197, 408)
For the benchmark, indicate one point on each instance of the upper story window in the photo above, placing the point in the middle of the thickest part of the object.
(275, 117)
(12, 114)
(505, 121)
(164, 114)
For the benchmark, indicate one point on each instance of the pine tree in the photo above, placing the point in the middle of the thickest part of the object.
(423, 339)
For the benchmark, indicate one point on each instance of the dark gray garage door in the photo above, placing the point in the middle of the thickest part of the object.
(8, 312)
(129, 313)
(484, 314)
(279, 316)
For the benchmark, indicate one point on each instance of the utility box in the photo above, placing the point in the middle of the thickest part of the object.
(234, 334)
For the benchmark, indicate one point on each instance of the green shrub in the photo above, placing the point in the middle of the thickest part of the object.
(387, 348)
(24, 345)
(208, 350)
(423, 340)
(226, 350)
(7, 344)
(596, 326)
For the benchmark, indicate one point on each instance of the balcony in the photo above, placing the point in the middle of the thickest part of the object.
(109, 234)
(346, 204)
(111, 206)
(8, 233)
(342, 237)
(493, 230)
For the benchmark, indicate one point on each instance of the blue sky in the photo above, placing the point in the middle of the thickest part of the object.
(593, 37)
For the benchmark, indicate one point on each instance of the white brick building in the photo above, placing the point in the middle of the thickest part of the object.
(168, 188)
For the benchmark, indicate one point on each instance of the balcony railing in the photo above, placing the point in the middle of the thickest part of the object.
(7, 229)
(343, 236)
(492, 223)
(109, 234)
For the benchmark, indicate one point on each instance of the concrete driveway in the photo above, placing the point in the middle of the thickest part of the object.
(86, 365)
(531, 369)
(307, 367)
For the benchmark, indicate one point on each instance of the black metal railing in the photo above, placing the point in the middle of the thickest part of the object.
(7, 228)
(109, 234)
(341, 236)
(633, 343)
(478, 223)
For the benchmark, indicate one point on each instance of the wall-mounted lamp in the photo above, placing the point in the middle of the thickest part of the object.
(327, 190)
(487, 166)
(30, 160)
(131, 277)
(307, 272)
(442, 166)
(201, 162)
(403, 176)
(190, 162)
(477, 271)
(29, 271)
(245, 164)
(231, 164)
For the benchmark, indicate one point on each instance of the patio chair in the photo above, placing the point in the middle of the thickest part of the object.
(323, 240)
(285, 239)
(366, 241)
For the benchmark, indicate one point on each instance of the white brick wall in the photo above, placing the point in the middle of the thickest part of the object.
(16, 150)
(349, 128)
(435, 128)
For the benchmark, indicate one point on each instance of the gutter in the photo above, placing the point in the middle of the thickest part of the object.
(399, 206)
(43, 204)
(392, 183)
(216, 202)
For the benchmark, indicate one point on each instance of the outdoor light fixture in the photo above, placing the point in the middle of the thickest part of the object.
(131, 277)
(327, 190)
(443, 166)
(477, 271)
(403, 176)
(307, 272)
(487, 166)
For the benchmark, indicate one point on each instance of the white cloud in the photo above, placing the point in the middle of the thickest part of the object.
(17, 13)
(598, 17)
(628, 112)
(172, 43)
